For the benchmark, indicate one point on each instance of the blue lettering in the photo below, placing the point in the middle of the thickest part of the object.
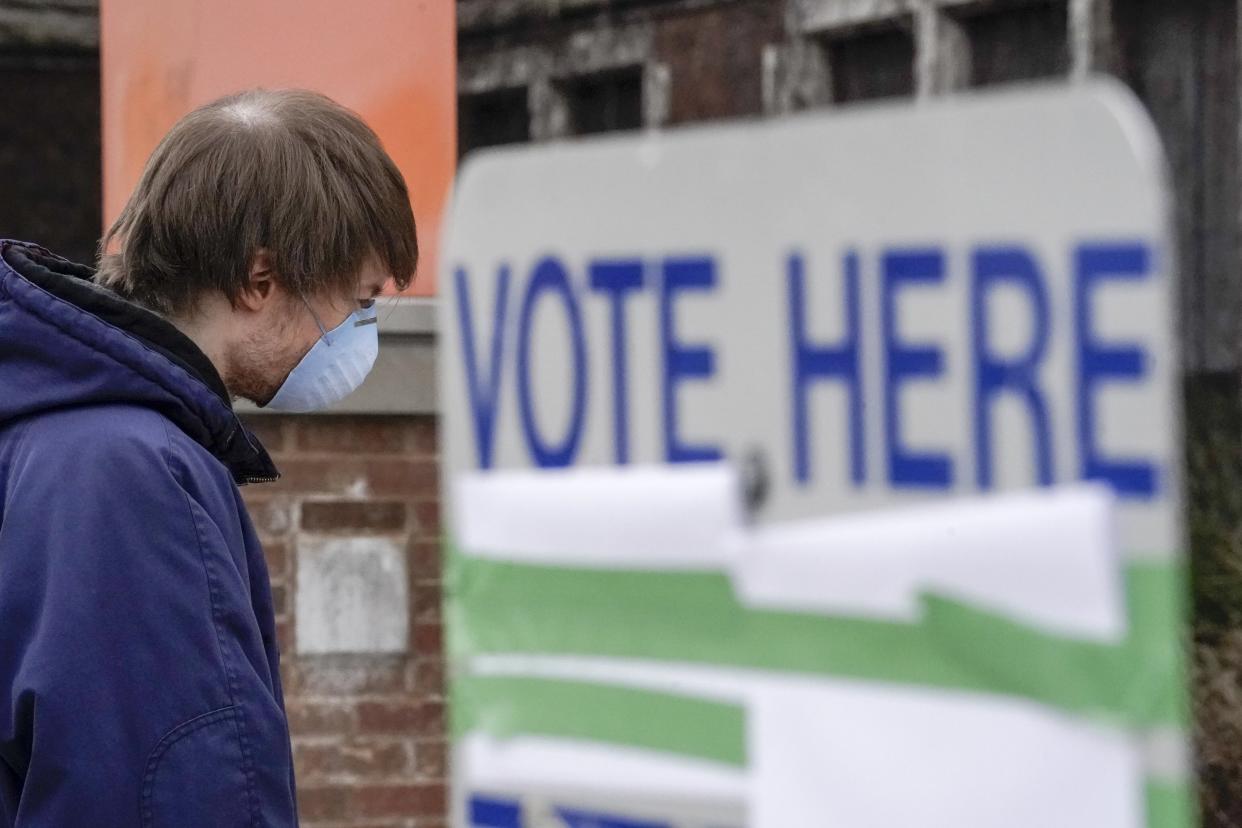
(994, 266)
(484, 390)
(904, 361)
(574, 818)
(1100, 361)
(682, 361)
(817, 362)
(489, 812)
(549, 276)
(617, 278)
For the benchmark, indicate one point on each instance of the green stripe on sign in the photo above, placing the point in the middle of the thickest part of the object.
(1170, 805)
(504, 607)
(505, 706)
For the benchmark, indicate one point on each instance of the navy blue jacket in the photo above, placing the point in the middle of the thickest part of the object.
(139, 681)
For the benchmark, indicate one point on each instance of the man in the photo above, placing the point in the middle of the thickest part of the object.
(139, 681)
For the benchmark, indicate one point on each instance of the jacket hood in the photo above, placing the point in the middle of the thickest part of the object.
(65, 341)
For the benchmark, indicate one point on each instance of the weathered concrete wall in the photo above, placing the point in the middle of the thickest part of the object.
(698, 59)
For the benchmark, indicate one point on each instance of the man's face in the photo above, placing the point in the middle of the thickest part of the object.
(278, 339)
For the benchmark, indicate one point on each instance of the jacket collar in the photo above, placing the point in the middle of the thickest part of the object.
(207, 414)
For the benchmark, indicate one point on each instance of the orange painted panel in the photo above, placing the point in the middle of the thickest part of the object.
(392, 61)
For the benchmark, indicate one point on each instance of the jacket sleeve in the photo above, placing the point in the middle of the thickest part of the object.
(137, 689)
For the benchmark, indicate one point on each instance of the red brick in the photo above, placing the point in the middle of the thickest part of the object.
(339, 476)
(314, 760)
(388, 717)
(428, 639)
(314, 718)
(353, 515)
(270, 430)
(344, 674)
(406, 478)
(280, 597)
(436, 724)
(277, 555)
(288, 675)
(425, 437)
(428, 678)
(424, 559)
(425, 600)
(323, 802)
(415, 718)
(284, 634)
(355, 435)
(427, 515)
(270, 514)
(398, 800)
(309, 476)
(431, 759)
(358, 757)
(368, 757)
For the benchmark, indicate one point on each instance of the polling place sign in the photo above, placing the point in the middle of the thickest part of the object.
(889, 310)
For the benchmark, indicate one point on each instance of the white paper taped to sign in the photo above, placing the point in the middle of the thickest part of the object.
(1048, 558)
(822, 750)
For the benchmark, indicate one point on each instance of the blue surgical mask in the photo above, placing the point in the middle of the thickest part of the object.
(334, 366)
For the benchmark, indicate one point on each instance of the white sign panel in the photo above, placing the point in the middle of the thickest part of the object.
(888, 304)
(876, 308)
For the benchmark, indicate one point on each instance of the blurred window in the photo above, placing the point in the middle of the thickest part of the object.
(50, 151)
(872, 63)
(1016, 42)
(605, 102)
(489, 119)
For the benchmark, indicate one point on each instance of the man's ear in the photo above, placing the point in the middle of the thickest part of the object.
(260, 285)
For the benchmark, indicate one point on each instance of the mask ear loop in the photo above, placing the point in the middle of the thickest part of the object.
(322, 330)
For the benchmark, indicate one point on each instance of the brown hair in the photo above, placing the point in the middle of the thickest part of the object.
(287, 170)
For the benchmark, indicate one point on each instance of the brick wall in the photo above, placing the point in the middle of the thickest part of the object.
(365, 701)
